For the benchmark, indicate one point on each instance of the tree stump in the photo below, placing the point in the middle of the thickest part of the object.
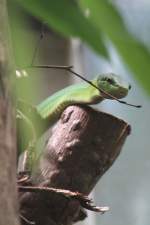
(83, 146)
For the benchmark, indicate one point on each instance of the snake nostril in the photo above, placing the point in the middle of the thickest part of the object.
(129, 86)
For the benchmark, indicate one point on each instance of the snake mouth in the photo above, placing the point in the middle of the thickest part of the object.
(120, 93)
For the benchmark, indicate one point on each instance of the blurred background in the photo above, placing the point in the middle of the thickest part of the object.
(125, 187)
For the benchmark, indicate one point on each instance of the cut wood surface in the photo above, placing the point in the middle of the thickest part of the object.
(83, 145)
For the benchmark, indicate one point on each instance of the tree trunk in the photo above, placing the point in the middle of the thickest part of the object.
(8, 193)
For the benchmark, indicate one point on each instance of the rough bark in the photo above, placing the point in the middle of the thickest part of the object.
(8, 193)
(83, 145)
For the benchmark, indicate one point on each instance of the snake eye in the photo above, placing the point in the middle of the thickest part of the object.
(110, 81)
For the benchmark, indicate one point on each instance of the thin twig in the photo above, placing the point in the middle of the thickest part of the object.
(26, 220)
(69, 69)
(23, 179)
(38, 43)
(83, 199)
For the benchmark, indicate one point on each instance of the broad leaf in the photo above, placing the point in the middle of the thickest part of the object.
(108, 20)
(67, 18)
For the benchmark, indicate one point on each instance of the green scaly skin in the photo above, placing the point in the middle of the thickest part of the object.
(82, 93)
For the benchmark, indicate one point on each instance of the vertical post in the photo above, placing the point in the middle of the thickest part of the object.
(8, 190)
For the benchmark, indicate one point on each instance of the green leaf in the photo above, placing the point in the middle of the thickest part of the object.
(107, 19)
(67, 18)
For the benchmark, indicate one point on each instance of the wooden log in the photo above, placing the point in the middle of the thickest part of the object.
(83, 146)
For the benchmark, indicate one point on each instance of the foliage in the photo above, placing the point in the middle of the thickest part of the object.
(93, 21)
